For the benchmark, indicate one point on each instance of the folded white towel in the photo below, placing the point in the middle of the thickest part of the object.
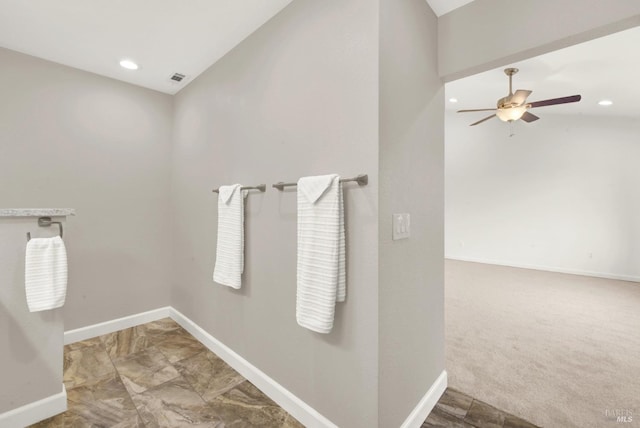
(230, 247)
(45, 273)
(321, 251)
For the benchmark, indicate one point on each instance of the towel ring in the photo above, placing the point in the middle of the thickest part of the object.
(46, 222)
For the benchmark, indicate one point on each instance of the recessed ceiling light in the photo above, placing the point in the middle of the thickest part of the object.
(128, 64)
(453, 100)
(605, 102)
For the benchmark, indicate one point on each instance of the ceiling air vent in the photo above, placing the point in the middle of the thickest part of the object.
(177, 77)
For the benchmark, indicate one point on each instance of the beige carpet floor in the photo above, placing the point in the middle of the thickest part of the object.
(557, 350)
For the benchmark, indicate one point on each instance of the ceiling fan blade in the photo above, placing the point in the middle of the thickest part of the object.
(520, 96)
(479, 109)
(482, 120)
(528, 117)
(554, 101)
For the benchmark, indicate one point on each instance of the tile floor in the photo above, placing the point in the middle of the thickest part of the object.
(455, 409)
(158, 375)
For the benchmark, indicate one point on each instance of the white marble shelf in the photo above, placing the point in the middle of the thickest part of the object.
(36, 212)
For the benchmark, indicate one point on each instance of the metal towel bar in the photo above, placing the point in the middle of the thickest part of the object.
(46, 222)
(362, 180)
(260, 187)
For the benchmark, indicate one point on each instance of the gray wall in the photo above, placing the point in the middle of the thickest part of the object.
(298, 97)
(559, 195)
(345, 86)
(74, 139)
(485, 34)
(411, 282)
(30, 343)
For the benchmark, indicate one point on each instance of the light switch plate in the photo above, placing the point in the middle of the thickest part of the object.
(401, 226)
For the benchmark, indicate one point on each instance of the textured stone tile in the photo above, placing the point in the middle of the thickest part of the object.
(175, 404)
(159, 330)
(180, 346)
(291, 422)
(105, 403)
(209, 375)
(73, 420)
(86, 365)
(511, 421)
(455, 403)
(125, 342)
(144, 370)
(52, 422)
(246, 406)
(82, 344)
(440, 418)
(147, 390)
(483, 415)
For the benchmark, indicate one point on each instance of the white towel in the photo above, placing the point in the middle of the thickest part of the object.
(321, 251)
(230, 247)
(45, 273)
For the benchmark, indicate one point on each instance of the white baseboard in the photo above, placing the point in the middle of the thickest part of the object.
(606, 275)
(107, 327)
(427, 403)
(300, 410)
(35, 412)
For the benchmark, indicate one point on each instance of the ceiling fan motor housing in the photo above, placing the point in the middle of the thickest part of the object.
(506, 102)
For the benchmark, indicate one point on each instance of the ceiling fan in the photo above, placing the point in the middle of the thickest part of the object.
(515, 106)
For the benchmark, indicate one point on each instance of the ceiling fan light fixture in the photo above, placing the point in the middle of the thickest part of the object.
(510, 114)
(605, 103)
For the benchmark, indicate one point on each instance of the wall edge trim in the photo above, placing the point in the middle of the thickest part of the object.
(35, 411)
(507, 263)
(426, 404)
(111, 326)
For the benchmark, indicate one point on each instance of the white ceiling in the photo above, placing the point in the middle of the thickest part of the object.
(440, 7)
(186, 37)
(605, 68)
(162, 36)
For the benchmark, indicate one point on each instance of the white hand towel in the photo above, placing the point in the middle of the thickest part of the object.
(45, 273)
(230, 246)
(321, 252)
